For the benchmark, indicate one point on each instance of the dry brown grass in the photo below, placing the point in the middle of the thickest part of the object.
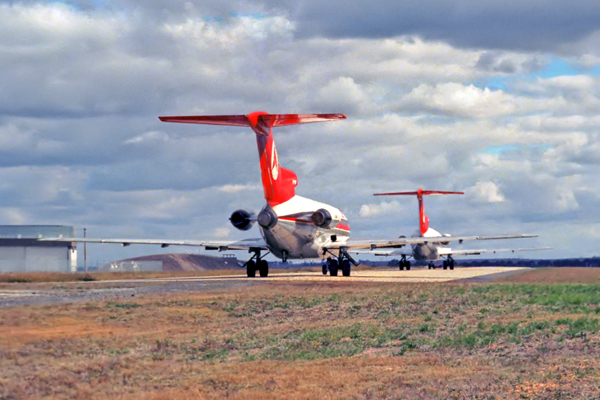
(555, 275)
(338, 340)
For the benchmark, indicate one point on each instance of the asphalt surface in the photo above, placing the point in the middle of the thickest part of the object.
(68, 292)
(85, 293)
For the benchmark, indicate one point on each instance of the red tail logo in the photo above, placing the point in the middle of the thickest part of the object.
(274, 163)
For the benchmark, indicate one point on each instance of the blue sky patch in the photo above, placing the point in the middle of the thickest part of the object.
(511, 148)
(556, 67)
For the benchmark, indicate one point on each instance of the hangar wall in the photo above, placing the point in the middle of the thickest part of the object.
(21, 252)
(31, 258)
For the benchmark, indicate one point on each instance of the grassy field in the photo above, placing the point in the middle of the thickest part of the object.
(535, 335)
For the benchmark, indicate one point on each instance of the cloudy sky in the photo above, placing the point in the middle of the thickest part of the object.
(500, 99)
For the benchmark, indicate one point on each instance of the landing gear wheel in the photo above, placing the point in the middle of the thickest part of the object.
(333, 268)
(451, 264)
(404, 264)
(324, 269)
(346, 268)
(445, 264)
(251, 269)
(263, 268)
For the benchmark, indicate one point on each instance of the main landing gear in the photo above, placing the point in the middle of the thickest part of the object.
(334, 264)
(257, 264)
(404, 263)
(449, 263)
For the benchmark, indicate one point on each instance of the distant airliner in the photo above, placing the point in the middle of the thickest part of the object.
(292, 227)
(432, 251)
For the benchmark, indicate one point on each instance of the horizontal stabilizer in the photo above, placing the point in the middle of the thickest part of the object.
(233, 120)
(416, 193)
(274, 120)
(267, 120)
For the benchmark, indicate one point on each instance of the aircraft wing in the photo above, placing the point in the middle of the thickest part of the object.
(475, 252)
(246, 244)
(443, 251)
(400, 242)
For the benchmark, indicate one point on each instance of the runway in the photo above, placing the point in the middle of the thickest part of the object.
(395, 275)
(378, 275)
(125, 288)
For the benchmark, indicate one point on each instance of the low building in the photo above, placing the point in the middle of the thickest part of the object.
(132, 266)
(21, 252)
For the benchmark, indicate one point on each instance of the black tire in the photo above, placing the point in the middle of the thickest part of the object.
(451, 263)
(408, 265)
(263, 268)
(401, 266)
(251, 269)
(445, 264)
(324, 269)
(333, 268)
(346, 268)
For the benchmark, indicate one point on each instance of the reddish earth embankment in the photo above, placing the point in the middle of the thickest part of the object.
(190, 262)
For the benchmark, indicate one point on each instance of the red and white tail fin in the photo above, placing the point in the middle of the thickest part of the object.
(423, 219)
(279, 183)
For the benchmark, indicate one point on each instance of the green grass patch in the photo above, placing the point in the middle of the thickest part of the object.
(112, 304)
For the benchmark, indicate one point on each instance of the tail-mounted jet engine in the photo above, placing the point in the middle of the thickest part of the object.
(242, 219)
(267, 218)
(323, 219)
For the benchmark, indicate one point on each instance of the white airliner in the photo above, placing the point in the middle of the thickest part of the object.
(432, 251)
(292, 227)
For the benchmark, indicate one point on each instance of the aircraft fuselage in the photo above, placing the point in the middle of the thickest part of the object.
(429, 251)
(294, 234)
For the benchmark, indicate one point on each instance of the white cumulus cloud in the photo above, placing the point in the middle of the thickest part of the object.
(488, 192)
(383, 208)
(457, 99)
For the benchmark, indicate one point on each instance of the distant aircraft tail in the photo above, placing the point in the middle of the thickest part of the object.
(423, 219)
(279, 183)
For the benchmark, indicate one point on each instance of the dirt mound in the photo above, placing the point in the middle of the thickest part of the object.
(190, 262)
